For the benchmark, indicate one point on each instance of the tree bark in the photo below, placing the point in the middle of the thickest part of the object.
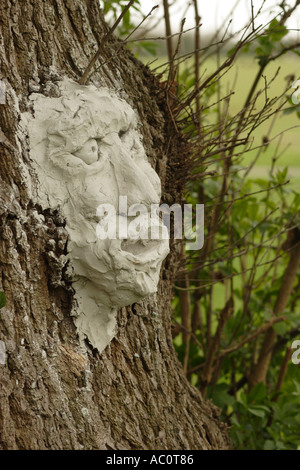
(134, 395)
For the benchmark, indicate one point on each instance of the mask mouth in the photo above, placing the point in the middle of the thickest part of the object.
(150, 246)
(142, 240)
(141, 252)
(138, 247)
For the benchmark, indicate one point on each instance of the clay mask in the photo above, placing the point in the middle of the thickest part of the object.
(87, 152)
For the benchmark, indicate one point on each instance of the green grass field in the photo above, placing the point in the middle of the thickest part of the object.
(286, 127)
(239, 79)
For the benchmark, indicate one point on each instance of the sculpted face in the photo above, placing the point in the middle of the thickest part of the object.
(87, 152)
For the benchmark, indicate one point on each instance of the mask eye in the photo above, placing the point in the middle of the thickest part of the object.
(121, 133)
(88, 152)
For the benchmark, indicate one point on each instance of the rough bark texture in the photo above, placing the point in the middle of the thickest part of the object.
(134, 395)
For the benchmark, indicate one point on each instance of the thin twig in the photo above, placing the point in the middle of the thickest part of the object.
(104, 40)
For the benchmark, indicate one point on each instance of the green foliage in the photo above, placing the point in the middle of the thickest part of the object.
(246, 262)
(260, 422)
(112, 10)
(268, 42)
(257, 421)
(292, 109)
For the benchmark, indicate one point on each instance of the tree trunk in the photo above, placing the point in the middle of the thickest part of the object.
(52, 396)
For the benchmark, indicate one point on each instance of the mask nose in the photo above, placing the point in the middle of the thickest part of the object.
(136, 179)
